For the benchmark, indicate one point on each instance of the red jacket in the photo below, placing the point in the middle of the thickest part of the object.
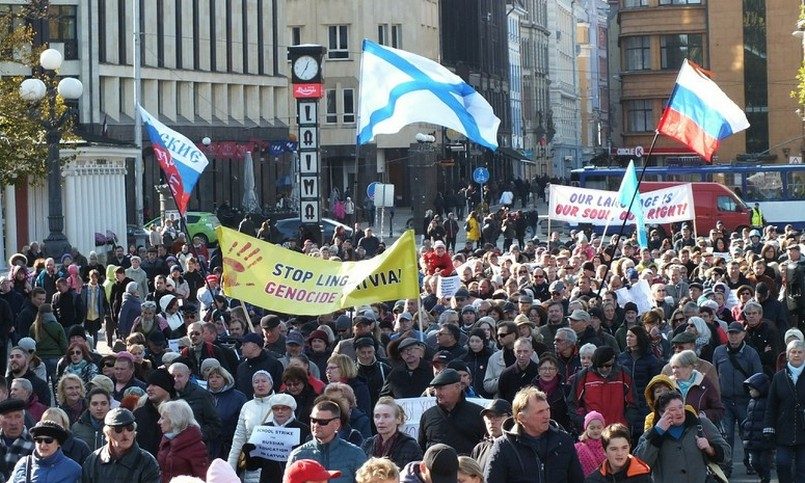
(443, 263)
(186, 454)
(612, 396)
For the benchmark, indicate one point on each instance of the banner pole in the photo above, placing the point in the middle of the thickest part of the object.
(248, 317)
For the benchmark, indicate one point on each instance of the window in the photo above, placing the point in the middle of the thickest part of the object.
(338, 42)
(676, 48)
(332, 108)
(348, 96)
(390, 35)
(63, 28)
(635, 3)
(764, 186)
(727, 203)
(296, 35)
(637, 53)
(639, 116)
(796, 185)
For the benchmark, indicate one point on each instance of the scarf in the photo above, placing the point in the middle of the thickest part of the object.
(548, 387)
(684, 386)
(381, 449)
(795, 372)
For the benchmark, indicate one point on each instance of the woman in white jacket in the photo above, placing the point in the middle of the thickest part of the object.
(254, 413)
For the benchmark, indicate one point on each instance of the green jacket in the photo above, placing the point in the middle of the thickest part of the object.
(51, 342)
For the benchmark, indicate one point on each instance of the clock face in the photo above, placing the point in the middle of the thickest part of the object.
(305, 67)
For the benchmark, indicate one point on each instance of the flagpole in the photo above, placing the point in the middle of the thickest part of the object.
(631, 202)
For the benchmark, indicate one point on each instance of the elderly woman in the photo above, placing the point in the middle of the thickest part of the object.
(150, 321)
(341, 368)
(390, 442)
(252, 414)
(550, 382)
(282, 415)
(705, 342)
(47, 463)
(785, 420)
(228, 402)
(181, 451)
(78, 361)
(697, 389)
(680, 445)
(74, 448)
(70, 396)
(586, 355)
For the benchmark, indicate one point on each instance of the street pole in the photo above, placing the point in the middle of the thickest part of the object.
(138, 130)
(56, 243)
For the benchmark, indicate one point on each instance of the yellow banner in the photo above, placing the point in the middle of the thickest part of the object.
(289, 282)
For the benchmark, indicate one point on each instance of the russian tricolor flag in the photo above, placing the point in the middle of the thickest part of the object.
(699, 114)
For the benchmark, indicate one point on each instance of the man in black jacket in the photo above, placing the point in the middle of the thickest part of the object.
(160, 389)
(529, 433)
(255, 358)
(454, 421)
(67, 305)
(411, 378)
(18, 365)
(521, 373)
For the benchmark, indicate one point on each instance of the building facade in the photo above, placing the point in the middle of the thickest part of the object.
(535, 38)
(593, 75)
(746, 44)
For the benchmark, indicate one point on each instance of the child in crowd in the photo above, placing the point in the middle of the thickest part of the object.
(589, 448)
(760, 449)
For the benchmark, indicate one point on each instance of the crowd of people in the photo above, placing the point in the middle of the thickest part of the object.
(538, 368)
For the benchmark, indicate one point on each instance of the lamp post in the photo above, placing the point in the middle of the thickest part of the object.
(43, 97)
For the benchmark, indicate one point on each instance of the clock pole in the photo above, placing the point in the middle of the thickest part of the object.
(308, 88)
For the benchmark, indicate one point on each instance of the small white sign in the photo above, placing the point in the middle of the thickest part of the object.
(308, 112)
(309, 162)
(273, 443)
(308, 137)
(640, 294)
(309, 211)
(309, 186)
(447, 286)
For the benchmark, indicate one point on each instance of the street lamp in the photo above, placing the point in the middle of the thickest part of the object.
(43, 95)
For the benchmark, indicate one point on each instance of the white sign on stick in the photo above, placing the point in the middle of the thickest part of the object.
(273, 442)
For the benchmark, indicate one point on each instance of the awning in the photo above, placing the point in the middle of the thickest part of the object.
(514, 154)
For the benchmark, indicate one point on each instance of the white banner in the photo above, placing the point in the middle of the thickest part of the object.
(584, 205)
(273, 443)
(447, 286)
(639, 293)
(415, 406)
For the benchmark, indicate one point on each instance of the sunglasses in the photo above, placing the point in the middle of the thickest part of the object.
(322, 422)
(503, 334)
(77, 353)
(45, 440)
(109, 364)
(128, 427)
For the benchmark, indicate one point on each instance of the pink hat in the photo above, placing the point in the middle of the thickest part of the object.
(592, 416)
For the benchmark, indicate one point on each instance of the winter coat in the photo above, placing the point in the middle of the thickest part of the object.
(642, 369)
(519, 458)
(185, 454)
(247, 368)
(56, 468)
(731, 379)
(336, 455)
(149, 433)
(752, 426)
(462, 428)
(495, 367)
(67, 307)
(128, 314)
(635, 471)
(253, 413)
(51, 342)
(85, 430)
(784, 409)
(478, 362)
(228, 402)
(612, 396)
(703, 397)
(362, 396)
(591, 454)
(375, 376)
(401, 384)
(765, 336)
(404, 450)
(272, 471)
(681, 461)
(203, 406)
(136, 466)
(411, 473)
(557, 400)
(473, 229)
(359, 420)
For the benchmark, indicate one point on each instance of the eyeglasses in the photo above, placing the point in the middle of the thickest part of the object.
(321, 422)
(109, 364)
(45, 440)
(503, 334)
(77, 353)
(548, 369)
(129, 428)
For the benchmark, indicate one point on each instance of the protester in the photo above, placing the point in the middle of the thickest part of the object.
(254, 413)
(182, 451)
(439, 465)
(495, 412)
(620, 466)
(47, 462)
(453, 420)
(378, 470)
(390, 442)
(759, 449)
(590, 449)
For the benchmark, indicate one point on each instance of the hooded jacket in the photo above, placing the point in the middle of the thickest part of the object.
(519, 458)
(51, 342)
(184, 454)
(635, 471)
(89, 431)
(228, 402)
(130, 309)
(752, 426)
(648, 393)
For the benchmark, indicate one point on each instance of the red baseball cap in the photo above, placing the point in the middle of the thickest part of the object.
(303, 471)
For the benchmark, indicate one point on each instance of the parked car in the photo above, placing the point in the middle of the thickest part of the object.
(199, 223)
(288, 230)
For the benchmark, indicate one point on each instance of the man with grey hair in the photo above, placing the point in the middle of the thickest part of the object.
(23, 390)
(762, 335)
(202, 404)
(521, 373)
(567, 353)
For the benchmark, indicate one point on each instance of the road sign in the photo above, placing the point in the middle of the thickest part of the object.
(370, 190)
(480, 175)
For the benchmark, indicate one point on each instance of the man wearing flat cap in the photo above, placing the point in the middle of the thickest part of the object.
(12, 428)
(121, 458)
(454, 421)
(411, 378)
(363, 325)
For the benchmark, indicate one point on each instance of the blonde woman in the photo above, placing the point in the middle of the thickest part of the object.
(73, 448)
(390, 441)
(469, 471)
(341, 368)
(70, 397)
(378, 470)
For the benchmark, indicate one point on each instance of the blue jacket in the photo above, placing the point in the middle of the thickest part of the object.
(129, 311)
(227, 404)
(752, 426)
(731, 379)
(642, 370)
(336, 455)
(56, 468)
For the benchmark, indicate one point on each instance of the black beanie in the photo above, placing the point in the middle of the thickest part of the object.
(162, 378)
(76, 330)
(602, 355)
